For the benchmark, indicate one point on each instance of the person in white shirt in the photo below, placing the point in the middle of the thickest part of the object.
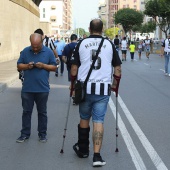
(124, 47)
(147, 44)
(166, 52)
(98, 87)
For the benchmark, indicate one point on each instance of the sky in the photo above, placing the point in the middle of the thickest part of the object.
(83, 12)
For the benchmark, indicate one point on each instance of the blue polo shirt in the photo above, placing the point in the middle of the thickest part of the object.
(60, 46)
(36, 80)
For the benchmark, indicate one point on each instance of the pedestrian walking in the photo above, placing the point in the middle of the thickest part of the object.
(67, 53)
(47, 41)
(140, 45)
(84, 35)
(165, 51)
(36, 61)
(132, 50)
(147, 44)
(60, 44)
(98, 88)
(116, 42)
(66, 56)
(124, 47)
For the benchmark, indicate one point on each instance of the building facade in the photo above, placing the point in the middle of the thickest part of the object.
(107, 9)
(18, 20)
(58, 13)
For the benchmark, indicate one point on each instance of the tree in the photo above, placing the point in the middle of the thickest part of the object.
(159, 10)
(148, 27)
(111, 32)
(128, 18)
(79, 32)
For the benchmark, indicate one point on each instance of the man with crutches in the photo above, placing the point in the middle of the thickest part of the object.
(98, 88)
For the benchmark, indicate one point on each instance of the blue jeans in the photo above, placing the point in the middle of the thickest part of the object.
(28, 100)
(167, 70)
(94, 106)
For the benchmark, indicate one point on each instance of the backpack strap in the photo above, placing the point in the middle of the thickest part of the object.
(46, 41)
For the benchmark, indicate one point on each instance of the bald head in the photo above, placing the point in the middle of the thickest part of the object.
(35, 37)
(96, 26)
(36, 42)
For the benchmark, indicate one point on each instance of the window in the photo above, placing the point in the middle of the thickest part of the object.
(43, 12)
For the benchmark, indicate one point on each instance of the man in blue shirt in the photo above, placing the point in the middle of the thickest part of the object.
(36, 61)
(60, 44)
(67, 52)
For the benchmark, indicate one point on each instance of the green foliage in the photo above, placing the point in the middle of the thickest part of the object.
(80, 31)
(148, 27)
(128, 18)
(111, 32)
(159, 10)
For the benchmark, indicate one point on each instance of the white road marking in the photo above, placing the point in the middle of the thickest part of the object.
(136, 158)
(159, 164)
(146, 64)
(162, 70)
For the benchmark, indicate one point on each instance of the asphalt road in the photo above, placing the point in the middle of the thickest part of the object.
(144, 115)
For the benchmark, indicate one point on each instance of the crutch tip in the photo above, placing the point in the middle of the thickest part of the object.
(61, 151)
(117, 150)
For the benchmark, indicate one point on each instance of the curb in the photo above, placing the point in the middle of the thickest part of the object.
(5, 85)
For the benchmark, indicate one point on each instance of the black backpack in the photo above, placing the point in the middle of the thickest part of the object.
(69, 57)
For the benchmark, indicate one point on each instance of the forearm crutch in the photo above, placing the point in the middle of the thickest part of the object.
(117, 150)
(64, 136)
(117, 79)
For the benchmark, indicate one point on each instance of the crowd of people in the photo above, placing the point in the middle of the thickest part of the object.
(143, 45)
(124, 45)
(43, 56)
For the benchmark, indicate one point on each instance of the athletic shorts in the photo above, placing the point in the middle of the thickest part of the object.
(147, 49)
(124, 51)
(139, 51)
(94, 106)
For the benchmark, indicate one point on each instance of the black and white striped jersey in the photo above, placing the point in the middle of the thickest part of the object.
(100, 79)
(48, 42)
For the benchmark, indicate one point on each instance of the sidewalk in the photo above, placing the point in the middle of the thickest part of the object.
(8, 73)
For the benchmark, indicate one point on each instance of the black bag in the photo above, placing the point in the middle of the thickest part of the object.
(80, 92)
(80, 87)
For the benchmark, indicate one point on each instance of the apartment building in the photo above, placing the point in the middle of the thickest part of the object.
(134, 4)
(107, 9)
(58, 13)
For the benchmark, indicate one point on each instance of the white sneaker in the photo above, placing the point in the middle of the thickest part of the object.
(166, 74)
(169, 75)
(98, 161)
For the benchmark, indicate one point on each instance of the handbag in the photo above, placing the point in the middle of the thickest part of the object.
(80, 87)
